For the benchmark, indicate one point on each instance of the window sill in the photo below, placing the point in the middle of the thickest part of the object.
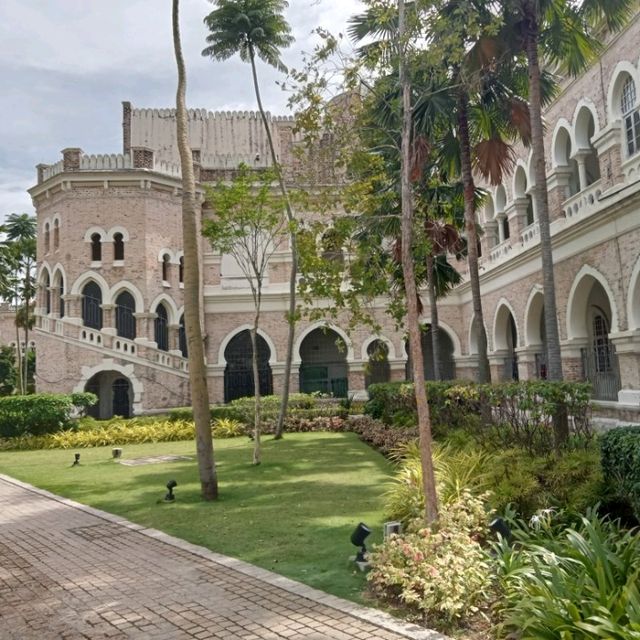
(166, 285)
(96, 263)
(118, 263)
(181, 285)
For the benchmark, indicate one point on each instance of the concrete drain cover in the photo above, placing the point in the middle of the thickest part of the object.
(136, 462)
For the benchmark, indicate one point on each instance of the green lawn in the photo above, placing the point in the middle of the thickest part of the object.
(293, 514)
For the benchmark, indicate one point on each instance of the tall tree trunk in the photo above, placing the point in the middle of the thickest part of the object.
(256, 388)
(18, 355)
(291, 315)
(554, 358)
(471, 229)
(554, 354)
(433, 307)
(415, 342)
(25, 371)
(191, 274)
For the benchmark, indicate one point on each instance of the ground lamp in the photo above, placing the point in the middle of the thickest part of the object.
(171, 485)
(76, 459)
(500, 527)
(358, 537)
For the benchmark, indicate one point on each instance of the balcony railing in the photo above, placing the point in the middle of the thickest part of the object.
(500, 251)
(584, 202)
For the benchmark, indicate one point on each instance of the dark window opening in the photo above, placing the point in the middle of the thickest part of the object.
(161, 328)
(118, 247)
(92, 306)
(96, 247)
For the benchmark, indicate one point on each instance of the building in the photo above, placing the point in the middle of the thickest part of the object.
(110, 263)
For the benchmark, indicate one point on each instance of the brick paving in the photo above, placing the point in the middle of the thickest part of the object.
(70, 572)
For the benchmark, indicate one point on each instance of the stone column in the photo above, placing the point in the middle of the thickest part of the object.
(517, 215)
(109, 319)
(572, 365)
(356, 380)
(174, 339)
(54, 296)
(73, 308)
(144, 328)
(497, 362)
(580, 157)
(467, 367)
(398, 369)
(558, 186)
(607, 143)
(491, 234)
(527, 362)
(627, 344)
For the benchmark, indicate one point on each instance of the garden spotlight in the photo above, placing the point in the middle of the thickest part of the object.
(171, 485)
(358, 537)
(499, 526)
(76, 459)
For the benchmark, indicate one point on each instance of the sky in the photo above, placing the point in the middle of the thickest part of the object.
(67, 65)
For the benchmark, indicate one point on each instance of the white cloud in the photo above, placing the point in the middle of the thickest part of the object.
(68, 64)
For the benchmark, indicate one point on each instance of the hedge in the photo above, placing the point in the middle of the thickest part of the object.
(503, 414)
(40, 413)
(620, 455)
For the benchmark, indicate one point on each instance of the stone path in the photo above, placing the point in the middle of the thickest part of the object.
(68, 572)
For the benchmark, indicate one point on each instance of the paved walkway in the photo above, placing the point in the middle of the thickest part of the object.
(68, 572)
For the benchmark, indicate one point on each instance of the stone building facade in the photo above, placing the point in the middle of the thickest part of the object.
(110, 310)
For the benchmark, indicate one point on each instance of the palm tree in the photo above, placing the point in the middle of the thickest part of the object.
(558, 31)
(192, 302)
(20, 254)
(253, 28)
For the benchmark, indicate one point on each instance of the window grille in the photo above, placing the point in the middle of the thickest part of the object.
(631, 116)
(118, 247)
(96, 247)
(91, 306)
(161, 327)
(125, 320)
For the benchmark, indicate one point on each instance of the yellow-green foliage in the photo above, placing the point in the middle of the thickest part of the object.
(227, 428)
(441, 573)
(111, 433)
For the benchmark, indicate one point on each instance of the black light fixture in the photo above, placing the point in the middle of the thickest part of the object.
(171, 485)
(76, 459)
(358, 537)
(499, 526)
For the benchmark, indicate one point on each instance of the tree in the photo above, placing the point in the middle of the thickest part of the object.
(415, 340)
(192, 301)
(18, 254)
(253, 28)
(559, 31)
(249, 225)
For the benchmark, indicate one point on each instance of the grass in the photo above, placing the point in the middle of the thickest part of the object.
(293, 514)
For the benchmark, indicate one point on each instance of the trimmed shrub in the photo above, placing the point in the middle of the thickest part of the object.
(443, 575)
(40, 413)
(505, 414)
(620, 455)
(111, 433)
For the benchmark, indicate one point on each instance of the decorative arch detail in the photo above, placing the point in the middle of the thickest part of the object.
(92, 231)
(633, 298)
(297, 359)
(577, 301)
(371, 339)
(86, 373)
(457, 346)
(273, 359)
(498, 342)
(126, 285)
(535, 305)
(170, 304)
(76, 288)
(613, 91)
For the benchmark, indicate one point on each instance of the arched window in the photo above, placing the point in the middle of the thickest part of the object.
(91, 306)
(61, 293)
(46, 238)
(181, 270)
(182, 338)
(161, 328)
(96, 247)
(630, 115)
(118, 247)
(166, 264)
(56, 235)
(601, 347)
(125, 320)
(47, 293)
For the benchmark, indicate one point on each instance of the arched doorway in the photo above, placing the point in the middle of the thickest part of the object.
(114, 395)
(590, 318)
(505, 342)
(445, 351)
(238, 374)
(323, 366)
(378, 369)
